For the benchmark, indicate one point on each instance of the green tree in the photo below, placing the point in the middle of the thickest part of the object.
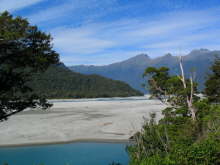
(212, 89)
(177, 139)
(24, 50)
(175, 91)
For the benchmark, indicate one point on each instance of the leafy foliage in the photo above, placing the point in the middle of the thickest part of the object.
(167, 88)
(23, 50)
(177, 139)
(212, 89)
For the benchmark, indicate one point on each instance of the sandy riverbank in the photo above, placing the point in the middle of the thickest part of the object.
(83, 120)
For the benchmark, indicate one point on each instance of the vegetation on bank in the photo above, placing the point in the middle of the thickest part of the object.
(24, 50)
(212, 89)
(180, 138)
(177, 140)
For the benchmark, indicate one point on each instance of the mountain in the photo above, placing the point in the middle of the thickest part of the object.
(131, 70)
(60, 82)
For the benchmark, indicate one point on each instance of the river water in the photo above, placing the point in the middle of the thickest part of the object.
(66, 154)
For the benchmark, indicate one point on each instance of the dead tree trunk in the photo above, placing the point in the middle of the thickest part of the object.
(189, 99)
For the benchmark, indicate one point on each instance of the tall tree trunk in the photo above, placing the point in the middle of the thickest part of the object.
(189, 99)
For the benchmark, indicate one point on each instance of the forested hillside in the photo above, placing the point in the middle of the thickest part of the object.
(60, 82)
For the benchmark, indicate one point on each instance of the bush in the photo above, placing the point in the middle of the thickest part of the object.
(177, 140)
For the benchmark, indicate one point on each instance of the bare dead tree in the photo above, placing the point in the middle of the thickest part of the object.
(189, 99)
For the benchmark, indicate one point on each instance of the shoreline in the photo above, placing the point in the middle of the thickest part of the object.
(89, 140)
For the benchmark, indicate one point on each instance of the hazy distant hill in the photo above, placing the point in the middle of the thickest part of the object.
(131, 70)
(60, 82)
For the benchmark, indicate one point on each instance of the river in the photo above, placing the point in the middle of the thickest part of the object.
(66, 154)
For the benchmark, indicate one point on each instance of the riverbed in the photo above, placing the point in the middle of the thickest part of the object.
(79, 120)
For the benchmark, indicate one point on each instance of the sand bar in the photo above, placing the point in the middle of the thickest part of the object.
(104, 120)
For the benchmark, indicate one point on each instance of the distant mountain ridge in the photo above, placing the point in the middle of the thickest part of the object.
(131, 70)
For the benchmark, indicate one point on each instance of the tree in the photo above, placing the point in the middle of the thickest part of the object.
(189, 95)
(24, 50)
(178, 138)
(175, 90)
(212, 89)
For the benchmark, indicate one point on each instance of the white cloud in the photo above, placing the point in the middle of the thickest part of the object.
(114, 40)
(52, 13)
(79, 41)
(157, 36)
(12, 5)
(185, 40)
(70, 9)
(166, 33)
(175, 23)
(99, 59)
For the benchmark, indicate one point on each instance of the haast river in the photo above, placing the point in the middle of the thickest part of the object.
(66, 154)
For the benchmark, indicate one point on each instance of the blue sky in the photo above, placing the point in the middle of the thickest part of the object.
(101, 32)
